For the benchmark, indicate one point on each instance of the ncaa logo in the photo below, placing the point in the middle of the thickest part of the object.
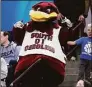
(88, 48)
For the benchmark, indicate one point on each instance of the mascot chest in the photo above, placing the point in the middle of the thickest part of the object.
(37, 42)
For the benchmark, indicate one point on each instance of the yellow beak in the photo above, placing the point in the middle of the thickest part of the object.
(41, 16)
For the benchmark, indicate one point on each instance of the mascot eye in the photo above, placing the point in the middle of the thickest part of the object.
(38, 9)
(48, 10)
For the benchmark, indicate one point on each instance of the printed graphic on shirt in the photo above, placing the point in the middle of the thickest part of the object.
(88, 48)
(7, 54)
(39, 42)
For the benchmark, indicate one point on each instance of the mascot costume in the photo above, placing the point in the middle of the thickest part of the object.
(40, 40)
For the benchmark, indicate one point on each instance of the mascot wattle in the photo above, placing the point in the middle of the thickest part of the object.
(40, 40)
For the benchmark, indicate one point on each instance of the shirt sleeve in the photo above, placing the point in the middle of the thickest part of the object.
(79, 41)
(4, 69)
(87, 5)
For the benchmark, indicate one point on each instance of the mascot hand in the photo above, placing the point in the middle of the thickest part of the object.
(80, 83)
(67, 21)
(19, 24)
(73, 58)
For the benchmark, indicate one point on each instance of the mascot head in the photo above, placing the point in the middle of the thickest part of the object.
(44, 11)
(44, 17)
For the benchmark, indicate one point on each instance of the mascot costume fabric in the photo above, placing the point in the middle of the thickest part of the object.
(40, 39)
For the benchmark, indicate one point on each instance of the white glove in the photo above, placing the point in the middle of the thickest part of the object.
(73, 58)
(80, 83)
(19, 24)
(68, 22)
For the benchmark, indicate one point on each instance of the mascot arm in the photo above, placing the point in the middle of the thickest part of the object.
(19, 32)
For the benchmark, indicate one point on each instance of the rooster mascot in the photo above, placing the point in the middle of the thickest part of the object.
(40, 40)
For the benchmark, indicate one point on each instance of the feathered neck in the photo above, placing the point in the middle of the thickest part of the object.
(43, 26)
